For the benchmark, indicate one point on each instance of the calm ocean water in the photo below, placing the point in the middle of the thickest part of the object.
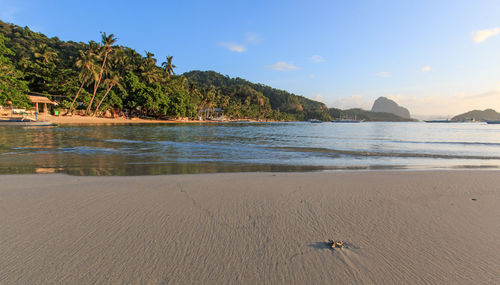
(236, 147)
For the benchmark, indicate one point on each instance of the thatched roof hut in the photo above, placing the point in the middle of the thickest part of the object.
(38, 99)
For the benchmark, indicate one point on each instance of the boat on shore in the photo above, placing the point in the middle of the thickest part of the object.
(492, 122)
(26, 123)
(316, 121)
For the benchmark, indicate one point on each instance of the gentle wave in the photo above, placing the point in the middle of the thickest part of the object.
(448, 142)
(338, 153)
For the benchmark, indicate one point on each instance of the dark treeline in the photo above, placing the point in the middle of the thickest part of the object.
(97, 76)
(361, 114)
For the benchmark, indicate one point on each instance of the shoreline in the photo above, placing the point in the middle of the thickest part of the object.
(401, 227)
(89, 120)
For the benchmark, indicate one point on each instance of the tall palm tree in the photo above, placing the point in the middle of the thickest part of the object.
(87, 68)
(148, 68)
(106, 42)
(168, 66)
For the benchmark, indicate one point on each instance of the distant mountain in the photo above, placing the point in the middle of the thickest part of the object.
(361, 114)
(384, 105)
(478, 115)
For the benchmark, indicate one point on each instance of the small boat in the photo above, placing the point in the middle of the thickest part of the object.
(492, 122)
(26, 123)
(346, 121)
(441, 121)
(315, 121)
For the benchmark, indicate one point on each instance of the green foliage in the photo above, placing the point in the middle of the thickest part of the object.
(250, 100)
(12, 87)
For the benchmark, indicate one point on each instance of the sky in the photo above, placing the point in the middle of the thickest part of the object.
(436, 58)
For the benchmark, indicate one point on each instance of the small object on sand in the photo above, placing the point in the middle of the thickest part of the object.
(335, 244)
(474, 199)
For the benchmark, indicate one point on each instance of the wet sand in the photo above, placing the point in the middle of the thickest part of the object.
(415, 227)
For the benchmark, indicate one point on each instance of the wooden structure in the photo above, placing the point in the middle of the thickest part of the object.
(211, 114)
(40, 101)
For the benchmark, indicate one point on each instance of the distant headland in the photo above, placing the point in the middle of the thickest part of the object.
(383, 110)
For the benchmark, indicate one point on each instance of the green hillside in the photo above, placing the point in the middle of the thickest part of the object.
(282, 104)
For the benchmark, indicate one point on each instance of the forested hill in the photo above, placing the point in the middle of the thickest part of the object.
(478, 115)
(369, 116)
(287, 105)
(102, 75)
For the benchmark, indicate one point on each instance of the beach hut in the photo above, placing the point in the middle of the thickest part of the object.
(40, 101)
(212, 114)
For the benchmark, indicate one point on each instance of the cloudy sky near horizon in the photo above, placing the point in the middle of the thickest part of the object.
(435, 57)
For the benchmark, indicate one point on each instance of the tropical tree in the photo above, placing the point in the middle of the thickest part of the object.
(87, 67)
(45, 53)
(107, 42)
(112, 81)
(12, 87)
(148, 68)
(168, 67)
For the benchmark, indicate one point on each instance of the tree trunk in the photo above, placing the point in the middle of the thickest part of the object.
(102, 99)
(96, 85)
(76, 96)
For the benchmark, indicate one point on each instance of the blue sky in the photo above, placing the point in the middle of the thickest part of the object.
(433, 57)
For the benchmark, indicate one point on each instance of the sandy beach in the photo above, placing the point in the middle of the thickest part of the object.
(91, 120)
(415, 227)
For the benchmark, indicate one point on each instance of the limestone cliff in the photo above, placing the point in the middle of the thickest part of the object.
(384, 105)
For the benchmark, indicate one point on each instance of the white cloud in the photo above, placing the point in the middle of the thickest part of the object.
(317, 58)
(252, 38)
(283, 66)
(318, 97)
(426, 68)
(353, 101)
(234, 47)
(312, 76)
(482, 35)
(382, 74)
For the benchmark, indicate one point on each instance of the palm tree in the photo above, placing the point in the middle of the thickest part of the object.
(46, 53)
(168, 66)
(87, 68)
(107, 42)
(148, 68)
(111, 82)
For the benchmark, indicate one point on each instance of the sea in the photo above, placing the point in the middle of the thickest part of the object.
(190, 148)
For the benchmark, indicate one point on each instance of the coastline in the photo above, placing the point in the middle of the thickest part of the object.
(402, 227)
(89, 120)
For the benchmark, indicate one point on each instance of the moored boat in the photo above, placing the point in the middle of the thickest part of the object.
(315, 121)
(441, 121)
(492, 122)
(26, 123)
(346, 121)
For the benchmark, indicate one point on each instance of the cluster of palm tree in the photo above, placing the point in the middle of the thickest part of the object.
(105, 64)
